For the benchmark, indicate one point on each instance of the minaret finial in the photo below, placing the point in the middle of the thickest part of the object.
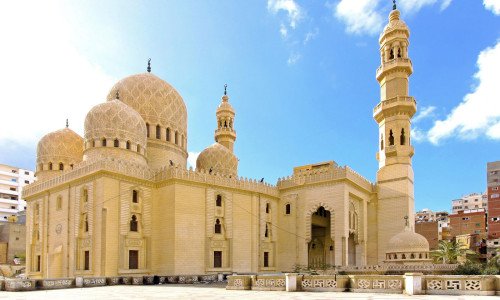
(67, 123)
(225, 89)
(149, 65)
(118, 94)
(394, 5)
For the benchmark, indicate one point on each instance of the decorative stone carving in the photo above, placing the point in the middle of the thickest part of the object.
(363, 283)
(238, 282)
(133, 242)
(307, 283)
(58, 228)
(453, 284)
(319, 283)
(473, 285)
(378, 284)
(330, 283)
(394, 284)
(260, 282)
(280, 282)
(98, 281)
(434, 285)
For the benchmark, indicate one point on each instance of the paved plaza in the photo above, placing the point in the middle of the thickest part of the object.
(171, 291)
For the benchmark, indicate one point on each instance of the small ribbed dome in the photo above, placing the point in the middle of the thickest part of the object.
(225, 106)
(115, 120)
(408, 241)
(62, 146)
(154, 99)
(219, 159)
(394, 23)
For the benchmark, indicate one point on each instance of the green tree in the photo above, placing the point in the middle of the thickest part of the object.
(450, 252)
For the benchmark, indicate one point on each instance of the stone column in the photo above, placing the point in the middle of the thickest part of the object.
(413, 283)
(291, 282)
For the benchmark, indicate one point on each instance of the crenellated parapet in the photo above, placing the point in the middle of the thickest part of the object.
(333, 173)
(144, 173)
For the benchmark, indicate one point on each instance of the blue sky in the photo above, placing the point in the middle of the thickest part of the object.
(300, 75)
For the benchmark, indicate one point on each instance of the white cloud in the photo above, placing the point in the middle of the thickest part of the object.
(311, 35)
(368, 16)
(424, 113)
(192, 157)
(413, 6)
(360, 16)
(44, 77)
(493, 5)
(417, 135)
(292, 9)
(478, 113)
(293, 58)
(283, 31)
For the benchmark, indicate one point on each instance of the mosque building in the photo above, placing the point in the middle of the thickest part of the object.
(121, 201)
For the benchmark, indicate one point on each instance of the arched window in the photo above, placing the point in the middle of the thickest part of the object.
(127, 145)
(382, 142)
(147, 129)
(230, 123)
(399, 53)
(218, 201)
(217, 227)
(158, 132)
(139, 148)
(167, 135)
(412, 256)
(103, 142)
(268, 208)
(86, 225)
(59, 203)
(225, 124)
(402, 138)
(116, 143)
(71, 166)
(391, 138)
(288, 208)
(135, 196)
(391, 56)
(395, 256)
(176, 140)
(50, 166)
(133, 223)
(61, 166)
(420, 255)
(403, 256)
(93, 143)
(266, 232)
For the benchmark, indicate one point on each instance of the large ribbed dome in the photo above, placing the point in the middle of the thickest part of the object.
(115, 120)
(218, 159)
(408, 241)
(154, 99)
(63, 146)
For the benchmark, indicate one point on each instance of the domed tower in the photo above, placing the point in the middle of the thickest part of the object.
(219, 157)
(164, 112)
(225, 133)
(58, 151)
(393, 115)
(113, 129)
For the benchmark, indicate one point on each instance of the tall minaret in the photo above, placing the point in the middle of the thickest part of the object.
(225, 133)
(393, 115)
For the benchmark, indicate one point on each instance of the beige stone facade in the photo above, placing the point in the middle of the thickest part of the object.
(121, 201)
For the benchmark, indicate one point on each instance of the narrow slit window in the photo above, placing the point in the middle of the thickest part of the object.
(133, 223)
(217, 227)
(288, 208)
(218, 201)
(158, 132)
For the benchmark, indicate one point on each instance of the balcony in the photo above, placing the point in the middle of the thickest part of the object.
(398, 104)
(9, 192)
(402, 63)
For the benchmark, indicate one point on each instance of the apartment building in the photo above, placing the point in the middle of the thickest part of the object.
(493, 194)
(12, 181)
(471, 221)
(471, 201)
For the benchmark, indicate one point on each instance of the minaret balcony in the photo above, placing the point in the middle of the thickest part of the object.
(398, 150)
(395, 106)
(399, 63)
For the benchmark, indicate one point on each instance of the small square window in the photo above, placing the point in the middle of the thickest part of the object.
(26, 173)
(27, 181)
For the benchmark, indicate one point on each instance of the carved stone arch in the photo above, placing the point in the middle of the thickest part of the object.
(312, 209)
(355, 209)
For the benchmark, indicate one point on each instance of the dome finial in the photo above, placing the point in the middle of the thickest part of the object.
(117, 94)
(149, 65)
(225, 89)
(67, 123)
(394, 5)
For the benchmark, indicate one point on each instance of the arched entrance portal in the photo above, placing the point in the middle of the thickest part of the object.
(321, 246)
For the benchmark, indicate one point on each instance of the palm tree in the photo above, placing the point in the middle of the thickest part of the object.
(450, 252)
